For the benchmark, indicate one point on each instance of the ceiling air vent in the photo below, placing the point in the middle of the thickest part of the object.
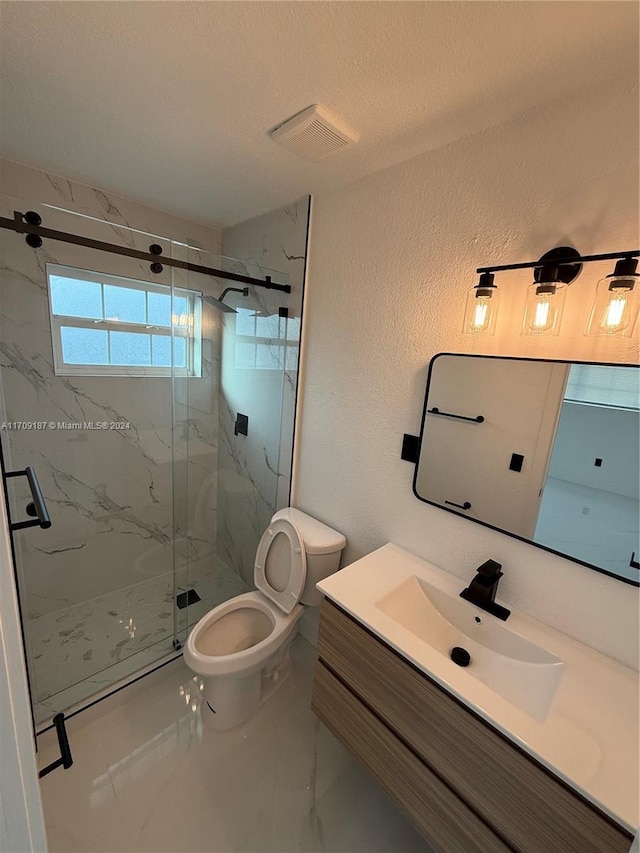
(314, 133)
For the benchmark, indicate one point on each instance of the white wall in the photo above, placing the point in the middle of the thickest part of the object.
(589, 511)
(21, 821)
(391, 259)
(586, 433)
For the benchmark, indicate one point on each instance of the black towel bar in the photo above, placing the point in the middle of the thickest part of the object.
(435, 411)
(465, 505)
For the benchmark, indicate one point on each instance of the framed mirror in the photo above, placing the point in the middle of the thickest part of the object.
(545, 451)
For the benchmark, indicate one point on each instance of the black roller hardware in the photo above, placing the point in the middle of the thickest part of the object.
(33, 240)
(21, 224)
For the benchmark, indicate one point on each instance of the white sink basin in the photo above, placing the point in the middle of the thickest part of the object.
(569, 707)
(520, 671)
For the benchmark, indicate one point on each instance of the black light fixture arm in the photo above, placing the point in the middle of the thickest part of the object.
(29, 223)
(577, 259)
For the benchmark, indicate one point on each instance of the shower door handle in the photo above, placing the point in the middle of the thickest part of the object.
(36, 507)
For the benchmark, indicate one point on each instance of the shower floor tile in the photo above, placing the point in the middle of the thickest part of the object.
(148, 777)
(85, 648)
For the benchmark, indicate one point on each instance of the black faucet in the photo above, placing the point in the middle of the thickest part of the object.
(482, 590)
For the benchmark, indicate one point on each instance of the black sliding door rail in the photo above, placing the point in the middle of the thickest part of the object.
(20, 226)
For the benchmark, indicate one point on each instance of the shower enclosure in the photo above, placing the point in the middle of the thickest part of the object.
(120, 387)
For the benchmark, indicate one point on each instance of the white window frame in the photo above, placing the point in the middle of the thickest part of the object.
(193, 337)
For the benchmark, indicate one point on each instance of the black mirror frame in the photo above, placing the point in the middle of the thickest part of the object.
(484, 523)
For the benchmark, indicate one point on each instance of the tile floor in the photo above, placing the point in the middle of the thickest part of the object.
(86, 647)
(147, 777)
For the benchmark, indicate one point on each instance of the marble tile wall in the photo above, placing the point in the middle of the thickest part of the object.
(110, 494)
(255, 470)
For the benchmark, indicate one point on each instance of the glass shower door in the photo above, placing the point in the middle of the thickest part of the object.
(252, 377)
(86, 351)
(227, 423)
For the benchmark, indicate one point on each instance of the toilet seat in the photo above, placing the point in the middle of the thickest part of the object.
(241, 661)
(280, 568)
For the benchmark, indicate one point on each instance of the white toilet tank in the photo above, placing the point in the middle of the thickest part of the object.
(323, 546)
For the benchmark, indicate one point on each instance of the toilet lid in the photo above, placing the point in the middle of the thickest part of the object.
(280, 569)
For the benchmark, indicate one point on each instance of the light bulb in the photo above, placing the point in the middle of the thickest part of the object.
(616, 302)
(615, 317)
(480, 320)
(541, 317)
(545, 301)
(482, 307)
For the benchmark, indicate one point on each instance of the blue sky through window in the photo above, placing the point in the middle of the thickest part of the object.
(75, 298)
(84, 307)
(85, 346)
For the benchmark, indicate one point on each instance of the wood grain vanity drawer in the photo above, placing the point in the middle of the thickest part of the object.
(527, 806)
(438, 813)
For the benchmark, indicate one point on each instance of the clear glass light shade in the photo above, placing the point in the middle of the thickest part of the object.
(615, 308)
(543, 311)
(481, 311)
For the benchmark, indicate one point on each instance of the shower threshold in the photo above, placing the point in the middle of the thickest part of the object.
(87, 648)
(67, 696)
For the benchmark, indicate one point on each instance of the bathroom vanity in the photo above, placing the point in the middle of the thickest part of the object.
(532, 747)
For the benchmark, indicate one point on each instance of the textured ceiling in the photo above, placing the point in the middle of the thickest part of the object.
(170, 103)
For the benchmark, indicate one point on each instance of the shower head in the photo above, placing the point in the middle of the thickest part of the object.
(226, 309)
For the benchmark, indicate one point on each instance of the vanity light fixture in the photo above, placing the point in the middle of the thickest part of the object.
(614, 311)
(616, 303)
(482, 306)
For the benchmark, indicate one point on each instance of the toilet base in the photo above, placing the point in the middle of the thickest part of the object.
(230, 700)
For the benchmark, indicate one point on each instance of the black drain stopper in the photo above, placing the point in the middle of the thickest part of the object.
(460, 656)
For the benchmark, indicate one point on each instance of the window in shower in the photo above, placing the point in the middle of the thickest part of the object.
(105, 325)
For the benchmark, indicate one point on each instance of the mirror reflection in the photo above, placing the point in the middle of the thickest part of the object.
(547, 451)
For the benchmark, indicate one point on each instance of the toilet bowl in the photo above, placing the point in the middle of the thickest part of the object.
(241, 648)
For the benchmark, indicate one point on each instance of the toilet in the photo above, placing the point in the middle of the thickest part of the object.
(241, 648)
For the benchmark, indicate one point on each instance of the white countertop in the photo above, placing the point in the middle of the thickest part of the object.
(589, 737)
